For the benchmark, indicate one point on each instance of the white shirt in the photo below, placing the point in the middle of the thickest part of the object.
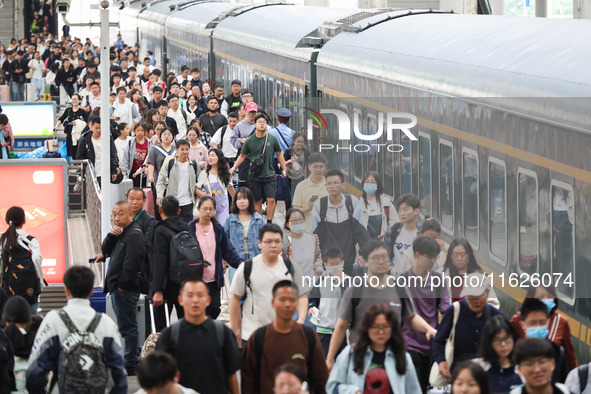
(401, 245)
(121, 145)
(228, 149)
(36, 65)
(181, 123)
(257, 310)
(123, 111)
(183, 187)
(97, 155)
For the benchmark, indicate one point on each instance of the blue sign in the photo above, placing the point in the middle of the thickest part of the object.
(28, 144)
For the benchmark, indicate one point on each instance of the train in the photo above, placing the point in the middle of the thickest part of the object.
(486, 118)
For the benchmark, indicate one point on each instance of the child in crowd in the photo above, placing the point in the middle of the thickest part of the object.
(323, 299)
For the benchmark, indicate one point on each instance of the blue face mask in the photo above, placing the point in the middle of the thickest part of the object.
(550, 304)
(370, 188)
(540, 332)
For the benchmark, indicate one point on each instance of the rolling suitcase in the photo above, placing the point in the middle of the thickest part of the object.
(141, 314)
(150, 343)
(30, 92)
(149, 203)
(4, 93)
(98, 299)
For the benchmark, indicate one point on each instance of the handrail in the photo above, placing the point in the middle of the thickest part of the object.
(93, 208)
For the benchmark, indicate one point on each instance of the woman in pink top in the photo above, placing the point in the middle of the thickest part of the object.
(215, 246)
(197, 151)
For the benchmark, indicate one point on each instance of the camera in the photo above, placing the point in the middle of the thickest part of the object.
(62, 6)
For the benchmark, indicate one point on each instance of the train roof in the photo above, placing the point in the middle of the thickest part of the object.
(277, 28)
(472, 56)
(196, 17)
(157, 11)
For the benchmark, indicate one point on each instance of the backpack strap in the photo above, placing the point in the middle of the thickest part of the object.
(349, 205)
(583, 371)
(194, 165)
(394, 235)
(175, 333)
(323, 208)
(282, 137)
(67, 321)
(184, 114)
(355, 300)
(259, 341)
(224, 128)
(219, 333)
(247, 272)
(94, 323)
(289, 266)
(311, 338)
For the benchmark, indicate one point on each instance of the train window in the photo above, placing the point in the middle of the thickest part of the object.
(360, 155)
(256, 87)
(563, 240)
(425, 174)
(527, 203)
(497, 203)
(470, 196)
(344, 155)
(446, 186)
(390, 164)
(405, 164)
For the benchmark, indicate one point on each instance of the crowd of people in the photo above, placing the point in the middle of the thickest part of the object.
(210, 163)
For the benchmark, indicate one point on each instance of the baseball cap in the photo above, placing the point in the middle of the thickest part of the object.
(250, 107)
(475, 285)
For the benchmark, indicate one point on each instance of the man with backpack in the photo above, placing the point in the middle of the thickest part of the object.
(173, 244)
(221, 139)
(81, 347)
(338, 221)
(283, 341)
(204, 348)
(255, 279)
(400, 236)
(177, 177)
(126, 246)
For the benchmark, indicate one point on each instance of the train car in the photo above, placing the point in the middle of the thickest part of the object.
(264, 47)
(151, 27)
(127, 18)
(500, 153)
(188, 35)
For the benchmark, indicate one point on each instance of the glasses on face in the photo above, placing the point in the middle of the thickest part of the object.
(296, 221)
(207, 209)
(261, 122)
(502, 341)
(459, 255)
(272, 242)
(379, 257)
(378, 328)
(532, 363)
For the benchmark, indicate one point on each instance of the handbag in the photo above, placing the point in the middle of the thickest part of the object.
(256, 167)
(435, 379)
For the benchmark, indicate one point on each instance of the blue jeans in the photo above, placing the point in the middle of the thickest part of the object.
(18, 91)
(124, 306)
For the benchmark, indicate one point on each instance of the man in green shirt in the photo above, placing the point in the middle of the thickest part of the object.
(262, 180)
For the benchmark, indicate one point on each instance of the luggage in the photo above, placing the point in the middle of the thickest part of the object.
(141, 314)
(52, 155)
(119, 191)
(98, 300)
(150, 343)
(4, 93)
(30, 92)
(149, 203)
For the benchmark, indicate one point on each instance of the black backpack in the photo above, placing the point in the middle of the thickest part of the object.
(248, 271)
(193, 164)
(20, 276)
(7, 382)
(324, 206)
(83, 367)
(186, 259)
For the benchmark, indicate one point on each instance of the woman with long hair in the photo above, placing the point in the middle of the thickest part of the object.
(197, 151)
(242, 226)
(496, 350)
(558, 327)
(296, 161)
(216, 181)
(376, 205)
(134, 156)
(73, 116)
(215, 246)
(378, 360)
(16, 249)
(460, 262)
(469, 378)
(138, 100)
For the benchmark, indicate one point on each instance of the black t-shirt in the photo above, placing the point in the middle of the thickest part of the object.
(204, 367)
(376, 379)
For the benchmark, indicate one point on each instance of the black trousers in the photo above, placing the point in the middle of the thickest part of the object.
(213, 310)
(422, 363)
(171, 297)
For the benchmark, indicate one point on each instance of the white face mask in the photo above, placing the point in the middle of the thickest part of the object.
(333, 269)
(298, 228)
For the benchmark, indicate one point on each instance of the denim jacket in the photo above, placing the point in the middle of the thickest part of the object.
(235, 232)
(344, 380)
